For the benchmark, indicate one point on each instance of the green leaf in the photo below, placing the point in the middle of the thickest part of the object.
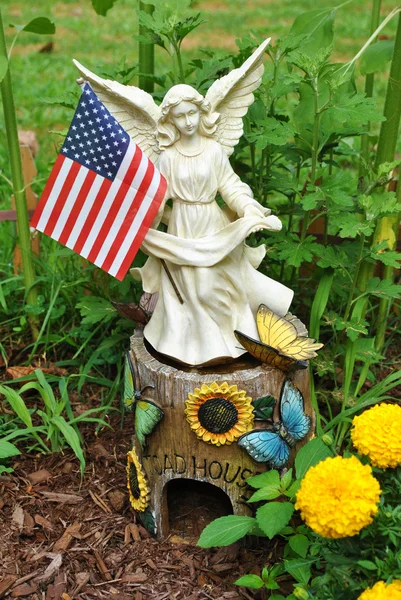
(94, 309)
(295, 252)
(225, 531)
(272, 517)
(389, 258)
(17, 404)
(316, 27)
(299, 544)
(7, 449)
(309, 455)
(383, 288)
(102, 6)
(268, 478)
(286, 480)
(263, 407)
(376, 57)
(367, 564)
(71, 437)
(3, 67)
(350, 225)
(251, 581)
(299, 568)
(266, 493)
(40, 25)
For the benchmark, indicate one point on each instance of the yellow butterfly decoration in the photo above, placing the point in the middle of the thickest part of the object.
(284, 341)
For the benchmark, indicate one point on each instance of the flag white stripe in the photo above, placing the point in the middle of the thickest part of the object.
(69, 203)
(108, 201)
(136, 224)
(83, 214)
(122, 213)
(54, 194)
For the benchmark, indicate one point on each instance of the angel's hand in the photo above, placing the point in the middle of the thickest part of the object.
(273, 223)
(253, 211)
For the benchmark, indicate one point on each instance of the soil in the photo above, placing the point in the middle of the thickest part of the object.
(63, 538)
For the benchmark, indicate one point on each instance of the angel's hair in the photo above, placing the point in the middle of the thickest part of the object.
(167, 133)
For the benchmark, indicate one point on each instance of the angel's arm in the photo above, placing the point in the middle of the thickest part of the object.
(236, 194)
(164, 212)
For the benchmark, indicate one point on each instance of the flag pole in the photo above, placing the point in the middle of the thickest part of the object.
(165, 267)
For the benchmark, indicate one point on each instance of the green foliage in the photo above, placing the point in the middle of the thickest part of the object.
(225, 531)
(57, 429)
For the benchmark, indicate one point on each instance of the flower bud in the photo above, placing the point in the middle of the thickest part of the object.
(327, 439)
(301, 593)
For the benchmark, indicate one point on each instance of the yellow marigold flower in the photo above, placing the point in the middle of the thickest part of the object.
(338, 497)
(381, 591)
(219, 414)
(377, 433)
(139, 492)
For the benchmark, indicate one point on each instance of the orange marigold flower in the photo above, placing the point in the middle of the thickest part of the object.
(376, 433)
(381, 591)
(338, 497)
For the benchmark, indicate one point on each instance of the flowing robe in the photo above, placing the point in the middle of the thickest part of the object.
(213, 269)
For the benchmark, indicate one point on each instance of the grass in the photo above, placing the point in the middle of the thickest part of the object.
(102, 42)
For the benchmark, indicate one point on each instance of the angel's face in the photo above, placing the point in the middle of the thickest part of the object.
(186, 117)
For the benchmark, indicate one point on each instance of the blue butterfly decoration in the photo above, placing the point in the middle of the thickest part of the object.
(274, 445)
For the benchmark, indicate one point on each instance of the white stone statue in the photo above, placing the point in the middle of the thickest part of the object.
(202, 269)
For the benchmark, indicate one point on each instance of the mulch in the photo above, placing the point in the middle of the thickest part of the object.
(63, 538)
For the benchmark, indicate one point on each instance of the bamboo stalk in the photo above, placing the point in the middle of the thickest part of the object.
(369, 82)
(18, 186)
(146, 54)
(387, 227)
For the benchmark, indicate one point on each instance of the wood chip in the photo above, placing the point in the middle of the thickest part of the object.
(151, 564)
(29, 523)
(97, 500)
(134, 532)
(62, 498)
(51, 569)
(43, 522)
(5, 585)
(104, 571)
(18, 516)
(39, 476)
(139, 578)
(72, 531)
(24, 589)
(117, 499)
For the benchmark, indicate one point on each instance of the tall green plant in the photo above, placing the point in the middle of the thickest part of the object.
(17, 179)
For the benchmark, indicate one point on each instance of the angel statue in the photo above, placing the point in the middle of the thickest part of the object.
(205, 275)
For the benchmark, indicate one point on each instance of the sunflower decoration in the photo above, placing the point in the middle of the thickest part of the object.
(139, 492)
(219, 414)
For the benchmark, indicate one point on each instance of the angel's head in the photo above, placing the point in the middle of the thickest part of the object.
(184, 112)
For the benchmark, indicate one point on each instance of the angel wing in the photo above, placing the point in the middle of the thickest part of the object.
(133, 108)
(231, 95)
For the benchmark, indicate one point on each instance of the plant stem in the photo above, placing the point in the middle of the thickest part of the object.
(146, 53)
(369, 93)
(24, 235)
(181, 72)
(315, 149)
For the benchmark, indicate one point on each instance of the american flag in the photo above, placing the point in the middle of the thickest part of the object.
(103, 192)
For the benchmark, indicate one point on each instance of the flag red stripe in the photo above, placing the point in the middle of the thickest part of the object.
(126, 224)
(62, 197)
(76, 209)
(47, 191)
(116, 204)
(90, 219)
(145, 225)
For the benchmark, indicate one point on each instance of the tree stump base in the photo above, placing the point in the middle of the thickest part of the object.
(173, 450)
